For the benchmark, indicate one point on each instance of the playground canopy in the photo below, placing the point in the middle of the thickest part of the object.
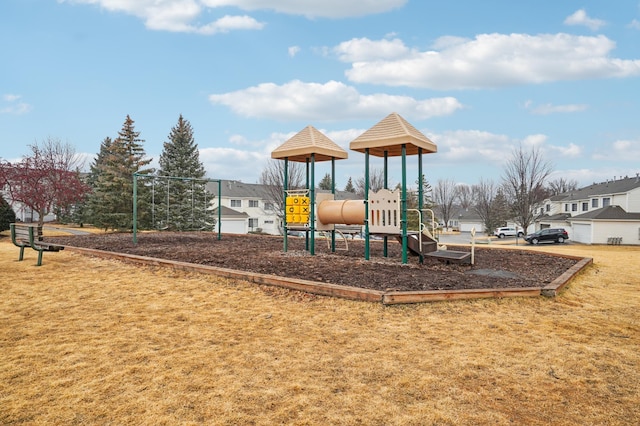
(389, 135)
(306, 142)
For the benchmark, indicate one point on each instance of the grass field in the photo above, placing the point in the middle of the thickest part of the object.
(94, 341)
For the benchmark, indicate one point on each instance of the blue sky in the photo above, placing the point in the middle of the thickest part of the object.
(478, 78)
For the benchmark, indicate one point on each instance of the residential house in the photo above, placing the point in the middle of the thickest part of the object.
(246, 207)
(598, 213)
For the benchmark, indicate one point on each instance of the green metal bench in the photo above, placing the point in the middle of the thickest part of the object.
(30, 235)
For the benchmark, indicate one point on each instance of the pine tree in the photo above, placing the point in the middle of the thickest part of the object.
(325, 183)
(349, 186)
(111, 203)
(186, 201)
(7, 215)
(412, 203)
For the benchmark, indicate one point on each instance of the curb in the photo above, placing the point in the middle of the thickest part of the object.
(348, 292)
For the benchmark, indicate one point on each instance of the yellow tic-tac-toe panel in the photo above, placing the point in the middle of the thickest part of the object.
(297, 209)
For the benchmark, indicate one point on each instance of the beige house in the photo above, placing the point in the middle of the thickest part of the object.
(602, 213)
(246, 207)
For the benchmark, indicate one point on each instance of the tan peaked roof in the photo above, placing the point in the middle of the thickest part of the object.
(306, 142)
(389, 135)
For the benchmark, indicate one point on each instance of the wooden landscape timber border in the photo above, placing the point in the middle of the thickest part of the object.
(348, 292)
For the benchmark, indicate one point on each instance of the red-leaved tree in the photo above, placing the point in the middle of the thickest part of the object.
(47, 179)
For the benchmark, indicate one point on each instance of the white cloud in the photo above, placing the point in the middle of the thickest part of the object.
(230, 23)
(363, 49)
(476, 146)
(314, 8)
(182, 15)
(174, 15)
(635, 24)
(489, 60)
(572, 150)
(14, 106)
(547, 109)
(11, 98)
(333, 100)
(623, 151)
(293, 50)
(222, 163)
(580, 17)
(468, 146)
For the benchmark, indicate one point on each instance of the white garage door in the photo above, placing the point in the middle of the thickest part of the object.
(233, 227)
(581, 233)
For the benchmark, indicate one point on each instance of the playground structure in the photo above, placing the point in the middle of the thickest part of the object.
(382, 213)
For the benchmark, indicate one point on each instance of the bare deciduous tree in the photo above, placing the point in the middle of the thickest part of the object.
(524, 183)
(484, 193)
(444, 196)
(561, 185)
(272, 177)
(376, 181)
(465, 196)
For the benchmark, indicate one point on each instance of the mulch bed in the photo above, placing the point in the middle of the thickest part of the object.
(493, 268)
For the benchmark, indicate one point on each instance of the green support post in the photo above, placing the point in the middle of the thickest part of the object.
(366, 204)
(403, 204)
(333, 191)
(385, 252)
(420, 197)
(312, 203)
(284, 206)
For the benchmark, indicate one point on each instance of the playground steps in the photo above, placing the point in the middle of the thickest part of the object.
(413, 244)
(430, 248)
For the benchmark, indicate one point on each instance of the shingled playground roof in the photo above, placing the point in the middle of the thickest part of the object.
(389, 135)
(306, 142)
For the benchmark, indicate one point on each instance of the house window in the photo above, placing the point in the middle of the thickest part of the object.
(268, 222)
(236, 203)
(566, 207)
(606, 202)
(585, 207)
(547, 207)
(253, 223)
(594, 203)
(253, 203)
(268, 206)
(574, 207)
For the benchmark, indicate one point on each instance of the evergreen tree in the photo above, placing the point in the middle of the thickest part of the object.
(412, 203)
(111, 203)
(349, 186)
(325, 183)
(7, 215)
(186, 201)
(500, 208)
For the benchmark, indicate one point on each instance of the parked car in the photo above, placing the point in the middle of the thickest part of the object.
(556, 235)
(508, 231)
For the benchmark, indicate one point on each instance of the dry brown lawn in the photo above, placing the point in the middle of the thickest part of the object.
(94, 341)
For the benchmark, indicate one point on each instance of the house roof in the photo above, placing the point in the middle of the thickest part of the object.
(554, 217)
(467, 215)
(306, 142)
(389, 135)
(603, 188)
(608, 213)
(228, 212)
(235, 188)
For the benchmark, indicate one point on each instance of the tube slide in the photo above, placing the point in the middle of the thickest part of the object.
(347, 212)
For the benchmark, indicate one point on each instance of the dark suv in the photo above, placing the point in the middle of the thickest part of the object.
(556, 235)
